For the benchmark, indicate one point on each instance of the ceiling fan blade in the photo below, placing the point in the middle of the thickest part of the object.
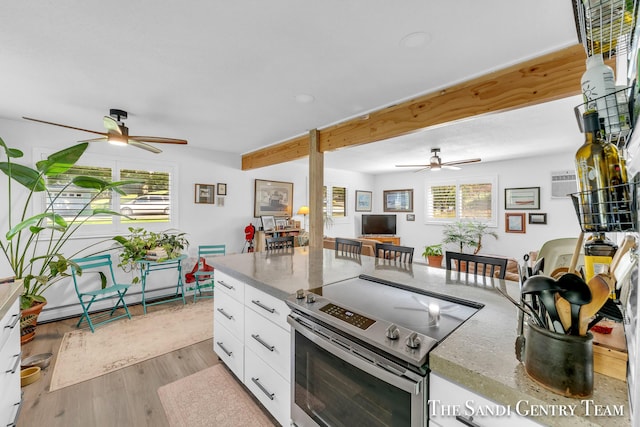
(64, 126)
(461, 162)
(453, 168)
(112, 125)
(159, 140)
(144, 146)
(104, 138)
(413, 166)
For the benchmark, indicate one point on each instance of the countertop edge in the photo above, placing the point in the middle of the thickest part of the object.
(8, 294)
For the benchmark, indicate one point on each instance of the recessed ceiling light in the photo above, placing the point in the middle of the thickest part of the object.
(304, 98)
(417, 39)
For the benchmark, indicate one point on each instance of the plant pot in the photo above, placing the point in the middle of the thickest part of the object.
(28, 321)
(435, 260)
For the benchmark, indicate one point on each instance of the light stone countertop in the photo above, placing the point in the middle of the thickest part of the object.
(8, 294)
(479, 355)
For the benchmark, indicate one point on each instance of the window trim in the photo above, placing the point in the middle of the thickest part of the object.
(457, 182)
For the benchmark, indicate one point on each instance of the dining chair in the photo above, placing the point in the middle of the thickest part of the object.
(276, 243)
(476, 264)
(98, 284)
(348, 246)
(204, 274)
(394, 252)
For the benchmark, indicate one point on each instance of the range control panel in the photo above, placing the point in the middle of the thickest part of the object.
(350, 317)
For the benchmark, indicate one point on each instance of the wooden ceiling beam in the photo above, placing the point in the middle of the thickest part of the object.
(542, 79)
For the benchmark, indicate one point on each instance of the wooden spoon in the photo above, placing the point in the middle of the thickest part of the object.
(562, 305)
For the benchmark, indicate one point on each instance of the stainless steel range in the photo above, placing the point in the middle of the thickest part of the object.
(361, 351)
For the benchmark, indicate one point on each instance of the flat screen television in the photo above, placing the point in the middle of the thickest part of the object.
(378, 224)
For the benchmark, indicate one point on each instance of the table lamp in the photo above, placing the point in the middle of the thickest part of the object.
(304, 210)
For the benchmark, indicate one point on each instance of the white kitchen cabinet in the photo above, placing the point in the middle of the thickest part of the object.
(451, 405)
(10, 366)
(252, 337)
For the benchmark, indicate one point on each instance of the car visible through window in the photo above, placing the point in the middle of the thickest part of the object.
(146, 205)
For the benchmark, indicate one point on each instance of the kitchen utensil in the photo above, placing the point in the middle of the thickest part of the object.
(545, 287)
(529, 311)
(577, 293)
(576, 253)
(537, 267)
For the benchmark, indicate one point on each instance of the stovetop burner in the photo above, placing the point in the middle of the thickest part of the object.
(402, 321)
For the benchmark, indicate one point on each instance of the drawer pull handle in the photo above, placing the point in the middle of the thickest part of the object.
(261, 341)
(17, 407)
(228, 316)
(256, 381)
(262, 306)
(467, 421)
(14, 323)
(225, 285)
(227, 352)
(15, 365)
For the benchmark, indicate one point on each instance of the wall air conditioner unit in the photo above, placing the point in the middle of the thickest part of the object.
(563, 183)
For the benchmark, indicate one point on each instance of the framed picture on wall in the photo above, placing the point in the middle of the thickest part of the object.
(268, 222)
(363, 201)
(514, 223)
(222, 189)
(273, 198)
(205, 193)
(398, 200)
(522, 198)
(537, 218)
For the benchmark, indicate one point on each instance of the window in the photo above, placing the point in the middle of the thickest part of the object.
(338, 206)
(148, 200)
(467, 199)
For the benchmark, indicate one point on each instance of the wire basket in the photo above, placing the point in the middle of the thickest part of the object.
(608, 209)
(613, 111)
(606, 26)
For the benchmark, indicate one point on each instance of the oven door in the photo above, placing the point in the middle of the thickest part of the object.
(336, 382)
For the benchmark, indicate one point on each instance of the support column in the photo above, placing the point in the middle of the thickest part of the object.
(316, 181)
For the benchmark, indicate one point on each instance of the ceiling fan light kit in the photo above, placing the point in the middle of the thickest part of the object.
(118, 134)
(436, 164)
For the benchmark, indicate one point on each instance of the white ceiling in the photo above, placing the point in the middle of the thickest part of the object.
(225, 74)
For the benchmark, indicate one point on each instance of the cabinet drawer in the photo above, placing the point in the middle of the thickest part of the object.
(229, 285)
(268, 387)
(270, 307)
(269, 342)
(451, 395)
(9, 322)
(10, 377)
(230, 350)
(229, 313)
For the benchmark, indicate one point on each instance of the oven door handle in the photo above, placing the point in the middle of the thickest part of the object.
(399, 381)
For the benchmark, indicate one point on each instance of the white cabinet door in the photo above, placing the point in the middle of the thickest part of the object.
(450, 405)
(268, 306)
(10, 395)
(229, 313)
(270, 342)
(268, 387)
(230, 349)
(229, 285)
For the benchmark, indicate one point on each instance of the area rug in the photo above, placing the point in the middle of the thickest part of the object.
(84, 355)
(212, 397)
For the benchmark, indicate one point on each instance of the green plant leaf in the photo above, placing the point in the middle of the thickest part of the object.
(90, 182)
(11, 152)
(116, 186)
(62, 161)
(24, 175)
(29, 222)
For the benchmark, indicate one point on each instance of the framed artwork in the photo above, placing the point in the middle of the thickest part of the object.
(411, 217)
(272, 198)
(514, 223)
(222, 189)
(537, 218)
(522, 198)
(363, 201)
(281, 224)
(398, 200)
(268, 222)
(205, 193)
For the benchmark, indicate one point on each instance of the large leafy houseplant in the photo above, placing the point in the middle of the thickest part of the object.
(467, 234)
(34, 244)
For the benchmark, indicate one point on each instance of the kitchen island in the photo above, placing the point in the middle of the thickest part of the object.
(479, 355)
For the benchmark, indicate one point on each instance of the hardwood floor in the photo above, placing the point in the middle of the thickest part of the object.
(126, 397)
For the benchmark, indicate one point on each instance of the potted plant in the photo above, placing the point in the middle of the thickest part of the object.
(140, 243)
(467, 234)
(433, 254)
(34, 244)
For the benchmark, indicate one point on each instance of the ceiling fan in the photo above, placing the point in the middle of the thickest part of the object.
(117, 133)
(435, 163)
